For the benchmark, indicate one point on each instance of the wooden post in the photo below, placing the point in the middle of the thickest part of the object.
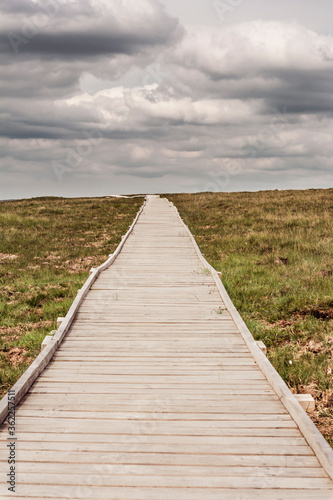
(262, 346)
(306, 401)
(60, 319)
(46, 341)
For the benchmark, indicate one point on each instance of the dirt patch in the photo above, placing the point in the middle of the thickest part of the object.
(15, 332)
(10, 292)
(312, 346)
(329, 272)
(17, 355)
(96, 244)
(282, 260)
(8, 275)
(53, 287)
(282, 324)
(100, 240)
(318, 312)
(52, 256)
(317, 347)
(321, 314)
(79, 265)
(10, 337)
(7, 256)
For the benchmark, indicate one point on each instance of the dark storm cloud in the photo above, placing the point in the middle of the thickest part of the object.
(18, 7)
(84, 45)
(48, 60)
(304, 92)
(29, 132)
(62, 30)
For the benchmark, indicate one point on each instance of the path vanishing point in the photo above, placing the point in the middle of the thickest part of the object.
(154, 389)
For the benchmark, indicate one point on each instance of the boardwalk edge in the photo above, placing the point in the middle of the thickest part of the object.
(21, 387)
(311, 433)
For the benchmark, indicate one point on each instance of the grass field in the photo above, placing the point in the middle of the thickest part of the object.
(275, 252)
(47, 247)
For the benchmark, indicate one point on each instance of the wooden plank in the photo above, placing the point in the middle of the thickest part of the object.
(144, 406)
(167, 433)
(172, 399)
(125, 389)
(198, 426)
(84, 492)
(162, 343)
(153, 481)
(172, 470)
(151, 388)
(203, 443)
(160, 412)
(148, 355)
(150, 426)
(163, 379)
(151, 371)
(230, 363)
(190, 454)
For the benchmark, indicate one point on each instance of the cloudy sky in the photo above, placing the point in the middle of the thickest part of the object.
(132, 96)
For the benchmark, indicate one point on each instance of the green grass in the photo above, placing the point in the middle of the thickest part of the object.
(47, 247)
(275, 252)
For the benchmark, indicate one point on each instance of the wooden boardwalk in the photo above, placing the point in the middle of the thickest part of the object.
(154, 394)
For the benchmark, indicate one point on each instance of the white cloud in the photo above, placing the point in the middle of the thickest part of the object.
(181, 154)
(141, 153)
(254, 49)
(203, 112)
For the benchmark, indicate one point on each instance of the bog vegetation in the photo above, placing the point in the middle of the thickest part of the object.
(47, 247)
(275, 252)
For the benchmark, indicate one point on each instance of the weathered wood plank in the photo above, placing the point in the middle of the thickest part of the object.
(172, 470)
(168, 433)
(194, 481)
(160, 412)
(142, 447)
(84, 492)
(203, 443)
